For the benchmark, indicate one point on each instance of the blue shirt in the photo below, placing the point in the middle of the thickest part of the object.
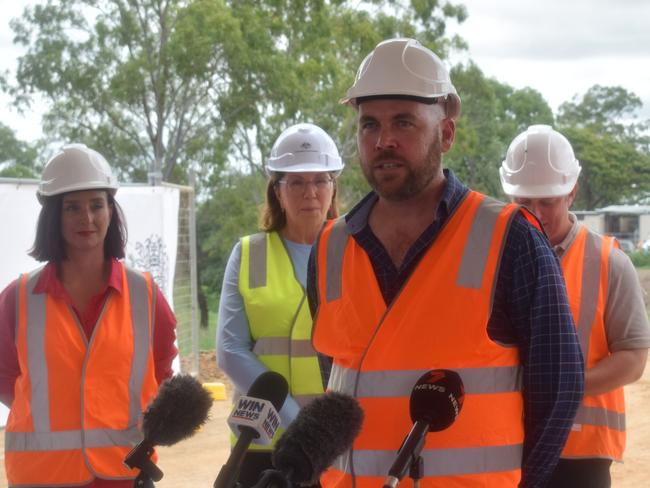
(530, 310)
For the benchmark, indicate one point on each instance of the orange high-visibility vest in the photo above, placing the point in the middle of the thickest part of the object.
(78, 402)
(438, 320)
(599, 426)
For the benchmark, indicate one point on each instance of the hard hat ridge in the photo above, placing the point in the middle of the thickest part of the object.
(76, 167)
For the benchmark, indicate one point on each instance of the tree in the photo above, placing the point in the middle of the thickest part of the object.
(493, 113)
(165, 84)
(612, 145)
(17, 158)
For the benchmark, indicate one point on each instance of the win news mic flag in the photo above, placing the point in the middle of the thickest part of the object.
(180, 407)
(255, 417)
(436, 401)
(323, 430)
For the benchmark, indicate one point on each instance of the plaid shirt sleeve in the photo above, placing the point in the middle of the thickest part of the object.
(531, 310)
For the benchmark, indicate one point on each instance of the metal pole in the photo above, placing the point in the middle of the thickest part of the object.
(193, 276)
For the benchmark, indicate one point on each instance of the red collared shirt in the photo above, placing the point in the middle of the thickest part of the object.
(164, 349)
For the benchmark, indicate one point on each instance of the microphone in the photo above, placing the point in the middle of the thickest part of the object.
(254, 417)
(179, 408)
(323, 430)
(436, 401)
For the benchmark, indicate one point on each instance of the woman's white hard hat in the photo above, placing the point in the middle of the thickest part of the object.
(304, 148)
(76, 167)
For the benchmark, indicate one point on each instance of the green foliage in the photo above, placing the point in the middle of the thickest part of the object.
(611, 144)
(640, 259)
(493, 113)
(17, 158)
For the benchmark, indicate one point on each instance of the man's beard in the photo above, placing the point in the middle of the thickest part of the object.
(416, 179)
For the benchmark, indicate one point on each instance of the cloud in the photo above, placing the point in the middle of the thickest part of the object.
(556, 29)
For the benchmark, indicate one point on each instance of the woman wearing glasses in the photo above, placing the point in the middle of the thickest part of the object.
(264, 318)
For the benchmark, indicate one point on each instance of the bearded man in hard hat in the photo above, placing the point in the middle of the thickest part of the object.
(541, 172)
(424, 273)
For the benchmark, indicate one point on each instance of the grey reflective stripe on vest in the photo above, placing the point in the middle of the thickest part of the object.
(257, 260)
(142, 341)
(43, 436)
(600, 417)
(336, 243)
(591, 267)
(438, 462)
(477, 246)
(40, 400)
(375, 384)
(282, 346)
(70, 439)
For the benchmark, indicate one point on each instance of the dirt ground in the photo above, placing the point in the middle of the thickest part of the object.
(196, 462)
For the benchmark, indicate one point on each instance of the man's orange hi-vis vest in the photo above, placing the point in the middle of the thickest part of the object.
(78, 402)
(438, 320)
(599, 426)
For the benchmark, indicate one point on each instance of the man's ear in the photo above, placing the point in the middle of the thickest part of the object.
(448, 133)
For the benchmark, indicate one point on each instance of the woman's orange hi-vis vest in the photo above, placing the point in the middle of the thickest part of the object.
(438, 320)
(78, 402)
(599, 427)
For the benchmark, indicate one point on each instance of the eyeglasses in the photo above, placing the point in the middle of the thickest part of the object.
(299, 186)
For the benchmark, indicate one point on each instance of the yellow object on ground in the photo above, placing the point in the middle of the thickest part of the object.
(216, 389)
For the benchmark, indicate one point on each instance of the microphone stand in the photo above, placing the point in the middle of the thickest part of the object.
(416, 471)
(143, 481)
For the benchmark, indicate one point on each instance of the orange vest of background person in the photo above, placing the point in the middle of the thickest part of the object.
(438, 320)
(78, 402)
(599, 426)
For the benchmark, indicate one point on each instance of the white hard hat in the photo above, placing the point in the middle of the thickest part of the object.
(540, 163)
(76, 167)
(304, 148)
(404, 67)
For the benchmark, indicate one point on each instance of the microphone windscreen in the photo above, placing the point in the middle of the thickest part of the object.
(323, 430)
(270, 386)
(437, 398)
(180, 407)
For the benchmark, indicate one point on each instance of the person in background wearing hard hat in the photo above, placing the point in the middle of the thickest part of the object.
(264, 321)
(541, 172)
(84, 340)
(424, 273)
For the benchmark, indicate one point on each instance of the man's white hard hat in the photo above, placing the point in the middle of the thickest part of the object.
(404, 68)
(540, 163)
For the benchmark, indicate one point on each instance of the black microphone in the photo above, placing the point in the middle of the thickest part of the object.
(255, 417)
(436, 401)
(323, 430)
(179, 408)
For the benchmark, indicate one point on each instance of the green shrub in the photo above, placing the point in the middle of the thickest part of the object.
(641, 259)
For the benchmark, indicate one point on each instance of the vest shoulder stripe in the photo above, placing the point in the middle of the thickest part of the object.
(591, 278)
(140, 316)
(336, 243)
(257, 260)
(477, 246)
(36, 357)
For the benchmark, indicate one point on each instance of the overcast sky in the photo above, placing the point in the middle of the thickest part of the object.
(559, 47)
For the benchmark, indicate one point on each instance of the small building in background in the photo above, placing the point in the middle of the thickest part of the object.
(630, 224)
